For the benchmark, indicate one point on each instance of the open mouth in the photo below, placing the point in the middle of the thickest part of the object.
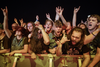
(73, 42)
(58, 32)
(90, 24)
(48, 27)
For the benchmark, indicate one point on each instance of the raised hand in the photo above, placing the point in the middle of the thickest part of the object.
(59, 10)
(39, 26)
(5, 11)
(64, 38)
(37, 17)
(15, 19)
(48, 16)
(75, 16)
(82, 21)
(76, 9)
(21, 21)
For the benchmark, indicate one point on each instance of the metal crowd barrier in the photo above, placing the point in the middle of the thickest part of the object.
(42, 60)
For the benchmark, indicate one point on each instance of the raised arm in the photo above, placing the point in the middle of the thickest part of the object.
(5, 13)
(75, 16)
(44, 34)
(37, 18)
(48, 17)
(15, 19)
(21, 22)
(59, 11)
(57, 16)
(37, 21)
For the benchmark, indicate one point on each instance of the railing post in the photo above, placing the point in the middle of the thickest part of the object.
(64, 62)
(79, 61)
(5, 62)
(50, 60)
(15, 60)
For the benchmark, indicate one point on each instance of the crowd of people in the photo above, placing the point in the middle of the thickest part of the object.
(54, 37)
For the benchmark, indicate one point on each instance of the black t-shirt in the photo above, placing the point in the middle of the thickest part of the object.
(94, 44)
(97, 40)
(69, 49)
(86, 31)
(5, 43)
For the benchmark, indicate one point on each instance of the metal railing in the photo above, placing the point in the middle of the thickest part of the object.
(50, 56)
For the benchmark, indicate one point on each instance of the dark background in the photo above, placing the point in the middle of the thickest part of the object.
(29, 9)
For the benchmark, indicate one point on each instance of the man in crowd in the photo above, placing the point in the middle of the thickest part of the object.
(75, 46)
(4, 41)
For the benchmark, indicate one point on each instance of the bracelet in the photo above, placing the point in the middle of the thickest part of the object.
(93, 34)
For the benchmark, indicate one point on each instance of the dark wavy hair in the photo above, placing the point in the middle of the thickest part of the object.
(78, 29)
(36, 44)
(24, 31)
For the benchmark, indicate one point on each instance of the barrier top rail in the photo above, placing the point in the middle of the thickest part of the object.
(48, 55)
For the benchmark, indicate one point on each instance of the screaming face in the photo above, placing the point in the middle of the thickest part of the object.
(92, 23)
(75, 37)
(48, 26)
(58, 30)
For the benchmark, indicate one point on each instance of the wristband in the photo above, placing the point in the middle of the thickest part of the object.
(36, 20)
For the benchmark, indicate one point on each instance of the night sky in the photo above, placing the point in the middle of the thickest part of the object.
(29, 9)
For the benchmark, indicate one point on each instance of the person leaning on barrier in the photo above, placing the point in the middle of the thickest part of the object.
(54, 36)
(75, 45)
(66, 24)
(4, 41)
(94, 26)
(19, 40)
(39, 41)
